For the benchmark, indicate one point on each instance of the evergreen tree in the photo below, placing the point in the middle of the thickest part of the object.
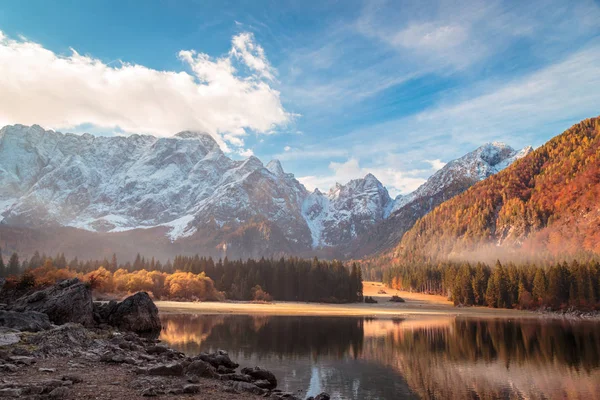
(3, 272)
(539, 286)
(113, 263)
(360, 285)
(479, 284)
(13, 265)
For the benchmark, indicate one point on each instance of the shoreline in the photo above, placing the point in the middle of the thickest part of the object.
(416, 305)
(337, 310)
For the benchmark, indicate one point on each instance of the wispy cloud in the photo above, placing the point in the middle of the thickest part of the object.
(311, 153)
(39, 86)
(549, 99)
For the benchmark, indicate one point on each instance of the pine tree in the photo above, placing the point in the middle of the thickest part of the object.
(539, 286)
(479, 283)
(491, 293)
(113, 263)
(360, 285)
(13, 265)
(3, 272)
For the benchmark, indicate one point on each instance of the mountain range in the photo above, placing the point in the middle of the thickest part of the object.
(546, 204)
(182, 194)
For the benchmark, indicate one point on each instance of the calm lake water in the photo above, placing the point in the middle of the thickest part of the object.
(444, 358)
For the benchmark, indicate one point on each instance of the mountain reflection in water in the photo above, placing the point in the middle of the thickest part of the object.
(445, 358)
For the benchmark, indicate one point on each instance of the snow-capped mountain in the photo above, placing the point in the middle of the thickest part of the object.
(111, 184)
(454, 178)
(186, 186)
(347, 211)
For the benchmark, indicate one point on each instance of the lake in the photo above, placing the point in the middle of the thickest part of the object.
(430, 358)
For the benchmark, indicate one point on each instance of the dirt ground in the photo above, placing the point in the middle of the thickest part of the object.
(416, 305)
(105, 381)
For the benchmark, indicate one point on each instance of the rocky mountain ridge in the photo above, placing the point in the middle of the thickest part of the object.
(186, 186)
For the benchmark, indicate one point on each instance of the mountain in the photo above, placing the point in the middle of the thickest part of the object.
(111, 184)
(347, 211)
(545, 203)
(183, 194)
(454, 178)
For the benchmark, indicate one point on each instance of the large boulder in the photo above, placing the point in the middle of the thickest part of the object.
(261, 374)
(30, 321)
(67, 301)
(201, 369)
(137, 313)
(218, 359)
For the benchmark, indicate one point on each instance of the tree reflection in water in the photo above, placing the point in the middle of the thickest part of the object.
(361, 358)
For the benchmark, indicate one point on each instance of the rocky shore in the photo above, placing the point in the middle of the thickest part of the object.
(58, 344)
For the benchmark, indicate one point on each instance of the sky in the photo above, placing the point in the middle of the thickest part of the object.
(333, 89)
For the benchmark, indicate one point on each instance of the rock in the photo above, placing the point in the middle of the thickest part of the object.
(236, 377)
(224, 370)
(174, 369)
(62, 340)
(322, 396)
(48, 370)
(67, 301)
(286, 396)
(247, 387)
(202, 369)
(8, 368)
(136, 313)
(175, 391)
(258, 373)
(9, 336)
(149, 392)
(156, 349)
(12, 392)
(22, 360)
(19, 351)
(193, 379)
(146, 357)
(72, 378)
(34, 390)
(218, 359)
(29, 321)
(261, 383)
(192, 389)
(59, 393)
(51, 384)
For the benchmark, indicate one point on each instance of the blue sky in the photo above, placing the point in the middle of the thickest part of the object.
(334, 89)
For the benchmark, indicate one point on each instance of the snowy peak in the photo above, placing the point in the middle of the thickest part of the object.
(346, 211)
(494, 153)
(463, 172)
(205, 138)
(274, 166)
(113, 184)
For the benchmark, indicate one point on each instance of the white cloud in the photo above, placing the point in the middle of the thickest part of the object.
(246, 152)
(431, 37)
(325, 151)
(287, 148)
(39, 86)
(396, 182)
(252, 54)
(436, 164)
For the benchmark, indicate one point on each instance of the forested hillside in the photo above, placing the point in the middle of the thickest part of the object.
(546, 204)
